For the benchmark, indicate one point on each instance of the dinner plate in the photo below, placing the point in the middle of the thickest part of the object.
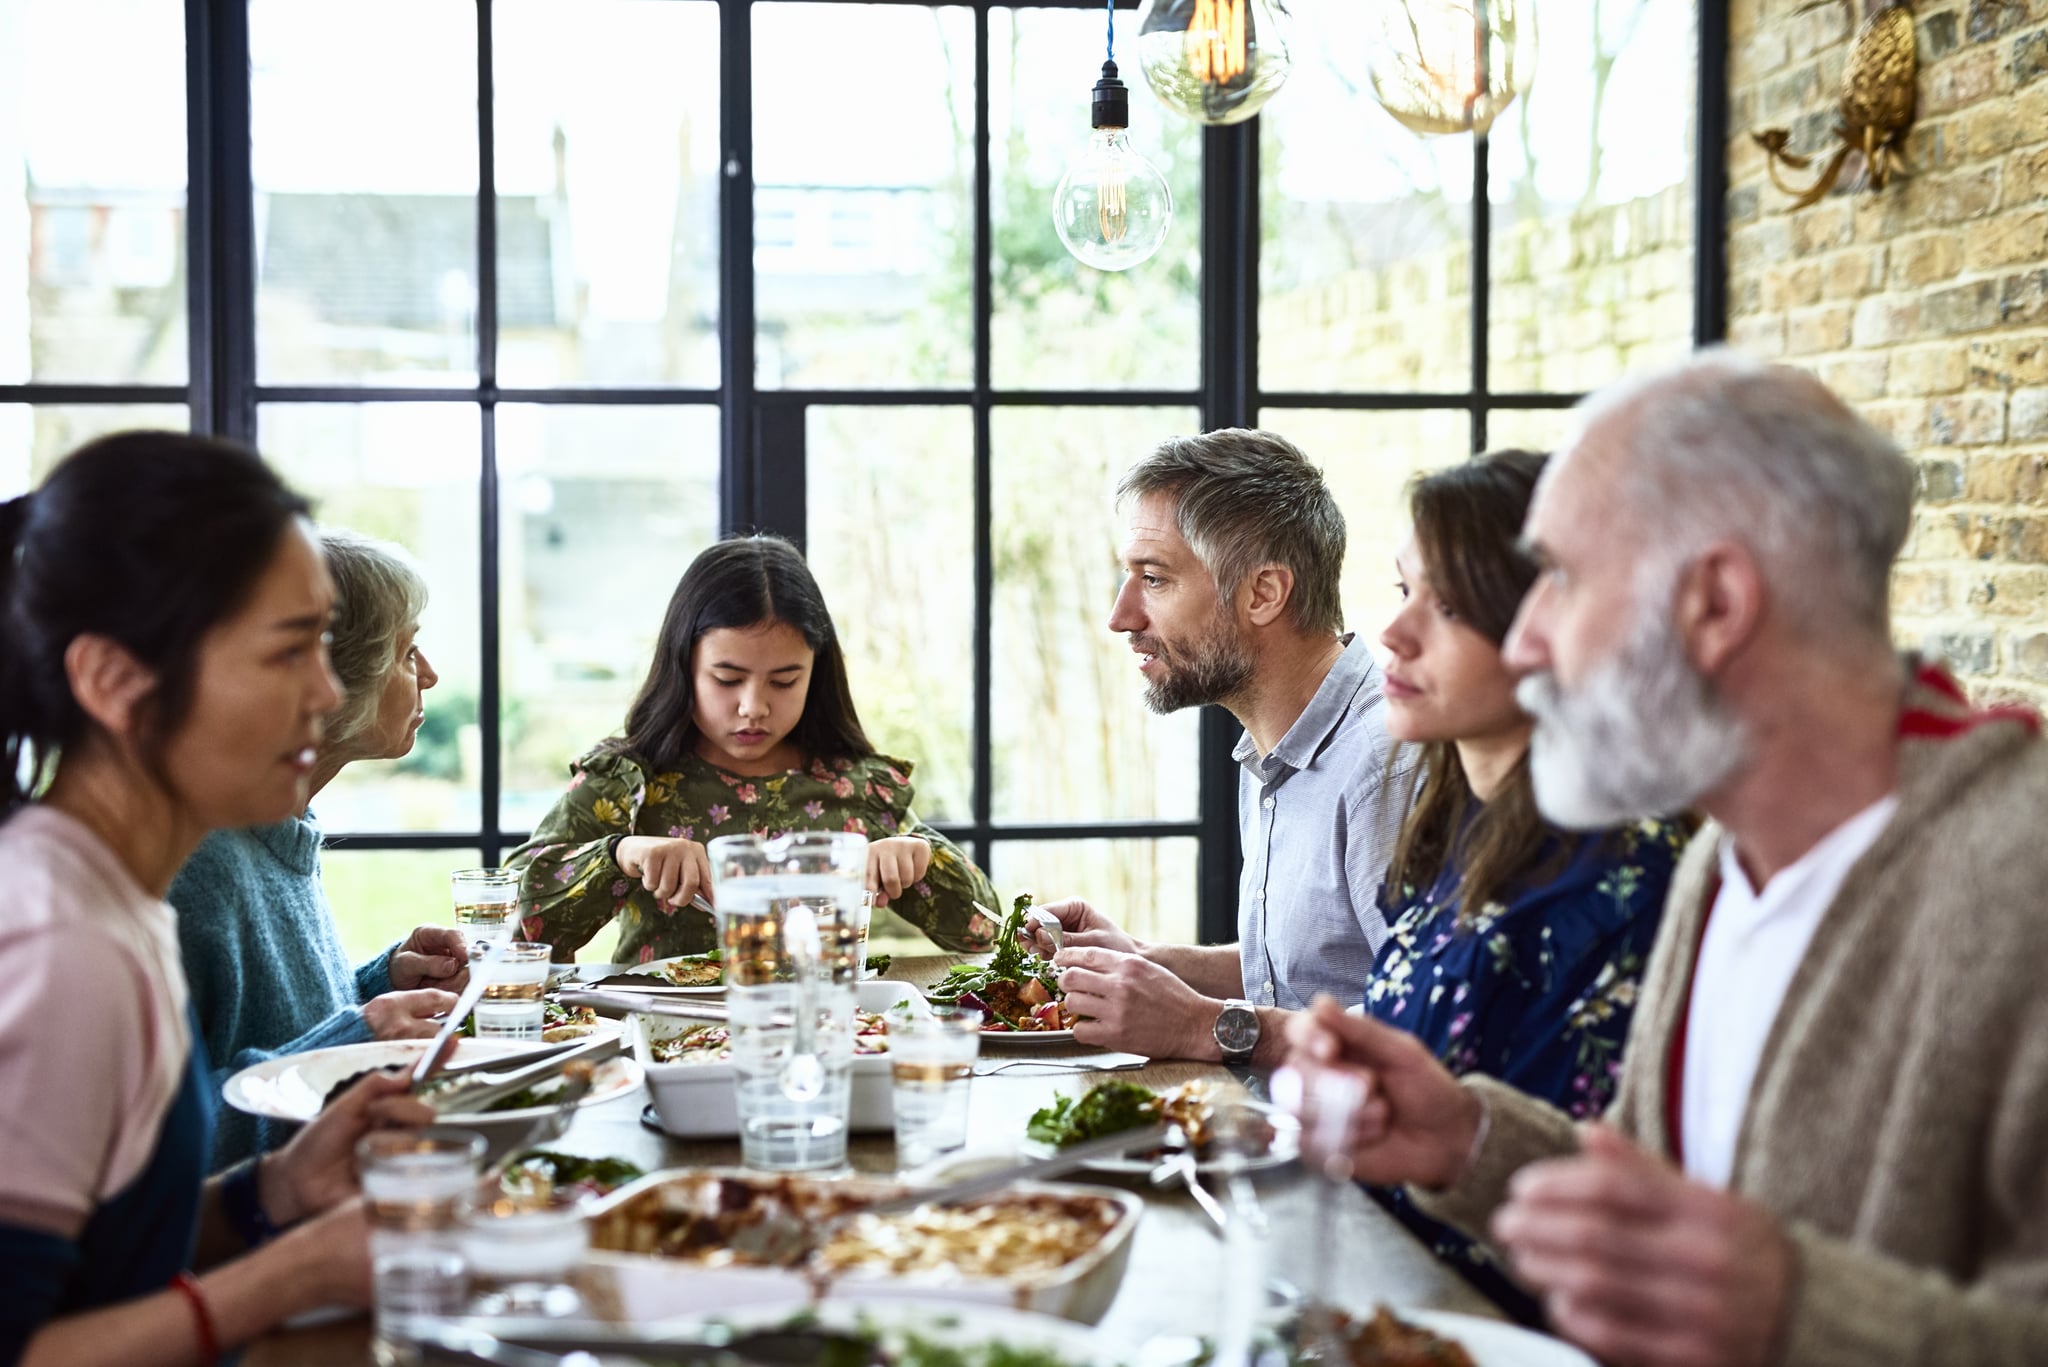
(981, 1331)
(291, 1087)
(1027, 1036)
(589, 975)
(1284, 1149)
(1495, 1343)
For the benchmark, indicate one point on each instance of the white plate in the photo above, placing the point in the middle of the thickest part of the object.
(1285, 1148)
(651, 971)
(293, 1086)
(1495, 1343)
(950, 1325)
(1027, 1037)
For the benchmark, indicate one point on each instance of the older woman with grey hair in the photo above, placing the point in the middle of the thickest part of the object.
(266, 966)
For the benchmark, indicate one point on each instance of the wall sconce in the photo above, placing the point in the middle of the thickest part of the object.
(1876, 105)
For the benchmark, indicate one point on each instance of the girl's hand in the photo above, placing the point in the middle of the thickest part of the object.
(317, 1169)
(673, 870)
(895, 864)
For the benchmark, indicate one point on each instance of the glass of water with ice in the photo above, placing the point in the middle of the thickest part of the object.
(418, 1186)
(790, 989)
(931, 1064)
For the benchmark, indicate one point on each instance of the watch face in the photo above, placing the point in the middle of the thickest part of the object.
(1237, 1029)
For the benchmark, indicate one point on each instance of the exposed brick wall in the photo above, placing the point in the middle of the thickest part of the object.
(1925, 305)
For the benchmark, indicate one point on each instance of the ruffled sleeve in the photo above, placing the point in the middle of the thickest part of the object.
(941, 904)
(569, 887)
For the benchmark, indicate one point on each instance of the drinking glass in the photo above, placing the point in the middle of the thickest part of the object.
(521, 1255)
(417, 1185)
(783, 905)
(516, 980)
(931, 1064)
(486, 900)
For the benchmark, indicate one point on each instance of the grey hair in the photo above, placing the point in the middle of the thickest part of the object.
(1725, 446)
(379, 595)
(1243, 499)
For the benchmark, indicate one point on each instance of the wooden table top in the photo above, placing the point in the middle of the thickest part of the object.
(1177, 1269)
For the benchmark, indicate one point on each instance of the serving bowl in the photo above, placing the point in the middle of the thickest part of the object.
(697, 1101)
(1079, 1289)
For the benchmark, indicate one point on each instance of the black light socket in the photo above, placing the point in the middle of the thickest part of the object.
(1112, 108)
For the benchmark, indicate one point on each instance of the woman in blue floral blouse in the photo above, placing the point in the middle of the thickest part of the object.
(745, 724)
(1515, 948)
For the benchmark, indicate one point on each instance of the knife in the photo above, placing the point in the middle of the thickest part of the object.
(479, 976)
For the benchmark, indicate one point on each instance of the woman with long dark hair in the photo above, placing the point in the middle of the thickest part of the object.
(163, 672)
(745, 724)
(1514, 948)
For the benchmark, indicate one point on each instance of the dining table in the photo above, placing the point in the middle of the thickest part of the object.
(1178, 1268)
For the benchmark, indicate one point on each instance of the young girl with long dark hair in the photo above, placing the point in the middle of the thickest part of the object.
(745, 724)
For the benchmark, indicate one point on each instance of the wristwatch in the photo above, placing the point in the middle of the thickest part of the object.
(1237, 1030)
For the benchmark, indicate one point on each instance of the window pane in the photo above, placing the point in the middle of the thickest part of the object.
(607, 179)
(378, 896)
(1073, 739)
(1364, 255)
(1531, 429)
(890, 495)
(1367, 457)
(603, 509)
(1592, 195)
(366, 182)
(1059, 324)
(92, 213)
(863, 183)
(1147, 886)
(406, 472)
(35, 438)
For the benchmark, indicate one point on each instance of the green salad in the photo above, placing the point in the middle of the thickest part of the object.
(1108, 1109)
(1015, 989)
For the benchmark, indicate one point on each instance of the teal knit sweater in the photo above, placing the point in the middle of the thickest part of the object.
(268, 973)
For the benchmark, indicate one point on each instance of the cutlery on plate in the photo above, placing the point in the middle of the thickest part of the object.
(479, 1090)
(646, 1003)
(797, 1346)
(1114, 1063)
(576, 1080)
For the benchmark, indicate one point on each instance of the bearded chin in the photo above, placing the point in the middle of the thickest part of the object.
(1216, 670)
(1643, 736)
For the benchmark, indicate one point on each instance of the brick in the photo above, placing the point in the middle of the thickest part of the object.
(1956, 198)
(2030, 656)
(1860, 375)
(1961, 81)
(1967, 652)
(1988, 129)
(1825, 226)
(2010, 239)
(1937, 481)
(2010, 594)
(1903, 420)
(1887, 319)
(2030, 480)
(1967, 420)
(2023, 298)
(1925, 259)
(1991, 18)
(1743, 204)
(1990, 478)
(1938, 36)
(1825, 328)
(1938, 369)
(1920, 591)
(1762, 335)
(1963, 308)
(2026, 540)
(2027, 419)
(2026, 177)
(1792, 286)
(2008, 360)
(1853, 272)
(2030, 59)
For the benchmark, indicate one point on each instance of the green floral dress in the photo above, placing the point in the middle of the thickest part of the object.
(570, 887)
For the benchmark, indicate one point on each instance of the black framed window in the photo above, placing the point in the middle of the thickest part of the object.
(582, 285)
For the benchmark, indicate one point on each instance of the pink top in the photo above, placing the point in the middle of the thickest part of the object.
(93, 1034)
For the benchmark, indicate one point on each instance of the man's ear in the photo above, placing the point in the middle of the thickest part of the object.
(1719, 605)
(111, 685)
(1265, 594)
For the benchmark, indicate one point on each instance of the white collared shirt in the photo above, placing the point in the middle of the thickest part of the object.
(1752, 946)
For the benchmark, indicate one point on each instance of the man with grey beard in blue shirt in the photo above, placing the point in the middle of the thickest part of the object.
(1232, 554)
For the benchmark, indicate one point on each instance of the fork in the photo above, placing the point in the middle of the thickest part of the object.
(1054, 1065)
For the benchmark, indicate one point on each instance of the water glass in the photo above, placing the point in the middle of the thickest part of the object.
(522, 1254)
(486, 900)
(418, 1186)
(783, 904)
(931, 1065)
(515, 972)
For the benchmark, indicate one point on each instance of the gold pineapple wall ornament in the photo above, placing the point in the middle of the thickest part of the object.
(1877, 108)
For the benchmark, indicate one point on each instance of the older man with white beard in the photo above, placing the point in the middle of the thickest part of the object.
(1828, 1143)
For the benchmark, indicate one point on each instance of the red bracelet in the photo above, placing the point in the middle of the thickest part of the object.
(202, 1317)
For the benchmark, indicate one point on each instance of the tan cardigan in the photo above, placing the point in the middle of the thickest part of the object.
(1898, 1122)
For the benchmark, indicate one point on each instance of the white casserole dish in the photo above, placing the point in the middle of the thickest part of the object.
(696, 1100)
(659, 1287)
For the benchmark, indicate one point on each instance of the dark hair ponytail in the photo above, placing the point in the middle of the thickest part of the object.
(747, 581)
(147, 538)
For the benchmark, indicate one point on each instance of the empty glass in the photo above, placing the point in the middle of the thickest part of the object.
(486, 900)
(418, 1186)
(931, 1064)
(513, 1005)
(784, 906)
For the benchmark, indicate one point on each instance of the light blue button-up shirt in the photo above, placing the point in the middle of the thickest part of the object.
(1317, 820)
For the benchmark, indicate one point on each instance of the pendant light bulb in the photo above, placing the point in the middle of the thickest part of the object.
(1214, 61)
(1451, 66)
(1113, 208)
